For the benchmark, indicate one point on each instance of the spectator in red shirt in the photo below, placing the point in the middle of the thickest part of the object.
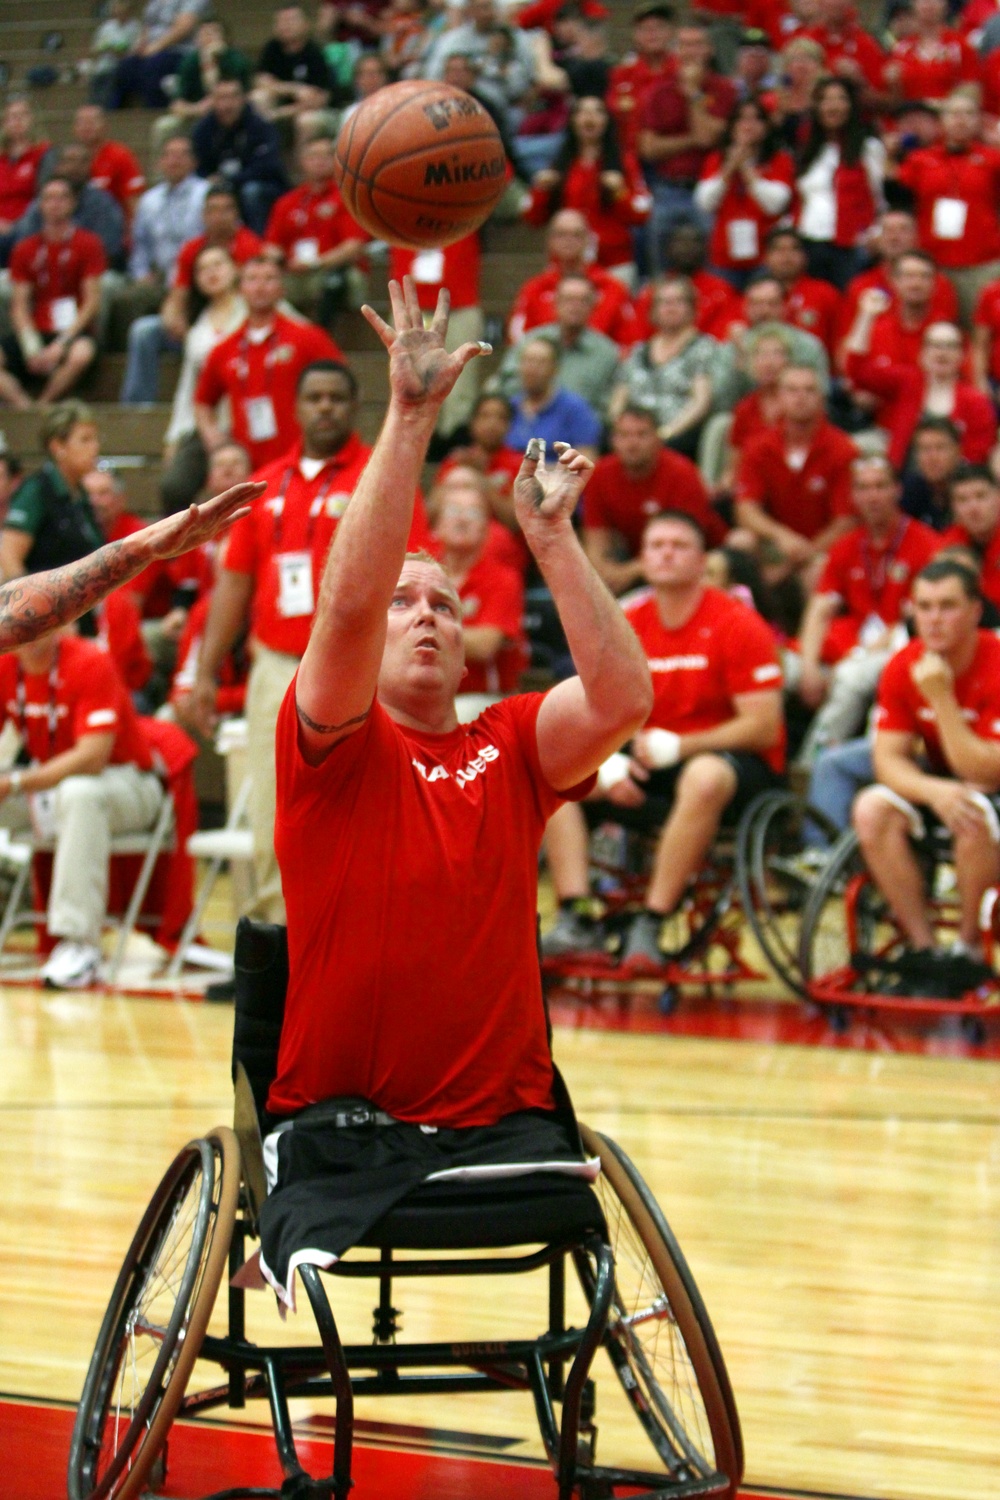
(986, 340)
(648, 64)
(908, 392)
(685, 253)
(605, 184)
(840, 171)
(956, 188)
(56, 278)
(20, 160)
(851, 52)
(568, 242)
(745, 186)
(810, 303)
(899, 331)
(109, 502)
(713, 741)
(113, 166)
(681, 122)
(639, 478)
(854, 621)
(896, 235)
(941, 693)
(793, 485)
(931, 59)
(456, 267)
(320, 244)
(257, 369)
(487, 453)
(767, 354)
(975, 508)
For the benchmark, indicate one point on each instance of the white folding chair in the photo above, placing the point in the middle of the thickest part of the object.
(219, 846)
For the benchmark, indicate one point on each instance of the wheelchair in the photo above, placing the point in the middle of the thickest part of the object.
(642, 1307)
(849, 938)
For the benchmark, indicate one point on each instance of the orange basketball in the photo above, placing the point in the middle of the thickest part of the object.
(420, 164)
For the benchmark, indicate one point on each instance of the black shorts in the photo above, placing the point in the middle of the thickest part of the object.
(753, 776)
(13, 355)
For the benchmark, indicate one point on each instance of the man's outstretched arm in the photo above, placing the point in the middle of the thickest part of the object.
(339, 672)
(585, 719)
(39, 602)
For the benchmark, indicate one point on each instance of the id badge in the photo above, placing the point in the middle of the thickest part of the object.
(261, 422)
(428, 267)
(295, 585)
(42, 806)
(949, 218)
(305, 252)
(742, 239)
(63, 313)
(872, 631)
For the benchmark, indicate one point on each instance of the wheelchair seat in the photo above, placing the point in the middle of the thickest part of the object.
(541, 1208)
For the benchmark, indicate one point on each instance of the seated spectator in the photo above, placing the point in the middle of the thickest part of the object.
(231, 692)
(89, 750)
(487, 453)
(404, 37)
(50, 521)
(168, 27)
(956, 191)
(568, 242)
(768, 353)
(907, 392)
(896, 235)
(292, 76)
(477, 37)
(685, 253)
(56, 298)
(810, 303)
(941, 692)
(168, 216)
(975, 509)
(109, 502)
(931, 60)
(210, 59)
(543, 409)
(119, 633)
(590, 173)
(793, 484)
(457, 267)
(504, 540)
(854, 622)
(935, 454)
(149, 337)
(649, 62)
(224, 310)
(672, 373)
(840, 170)
(320, 244)
(764, 308)
(849, 51)
(587, 359)
(113, 167)
(639, 478)
(490, 592)
(744, 189)
(682, 119)
(113, 40)
(714, 740)
(898, 332)
(257, 368)
(20, 160)
(93, 209)
(235, 146)
(368, 75)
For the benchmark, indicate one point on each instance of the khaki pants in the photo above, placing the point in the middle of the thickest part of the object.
(267, 685)
(968, 282)
(90, 811)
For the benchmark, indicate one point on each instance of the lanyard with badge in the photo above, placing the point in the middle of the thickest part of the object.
(877, 567)
(262, 424)
(295, 569)
(41, 804)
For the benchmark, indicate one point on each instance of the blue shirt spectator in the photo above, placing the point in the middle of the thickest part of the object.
(543, 409)
(169, 214)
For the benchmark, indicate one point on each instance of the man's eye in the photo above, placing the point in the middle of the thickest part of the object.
(449, 609)
(398, 602)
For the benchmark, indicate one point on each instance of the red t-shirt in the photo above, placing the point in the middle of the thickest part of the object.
(901, 389)
(536, 303)
(456, 267)
(873, 581)
(56, 270)
(987, 315)
(19, 180)
(958, 195)
(230, 695)
(815, 306)
(87, 697)
(748, 421)
(989, 558)
(616, 501)
(610, 219)
(631, 82)
(723, 651)
(305, 223)
(260, 379)
(990, 79)
(718, 306)
(119, 631)
(903, 709)
(302, 522)
(853, 43)
(741, 226)
(932, 70)
(665, 110)
(116, 170)
(943, 308)
(242, 247)
(492, 593)
(806, 499)
(414, 978)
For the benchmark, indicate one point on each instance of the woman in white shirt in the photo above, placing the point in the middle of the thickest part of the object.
(214, 277)
(840, 182)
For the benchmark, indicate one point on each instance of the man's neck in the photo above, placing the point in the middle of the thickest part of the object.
(675, 606)
(799, 434)
(262, 319)
(570, 267)
(570, 337)
(322, 452)
(913, 314)
(535, 402)
(640, 471)
(427, 714)
(58, 231)
(318, 188)
(882, 530)
(40, 658)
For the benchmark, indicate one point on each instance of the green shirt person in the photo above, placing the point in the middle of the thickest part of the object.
(50, 521)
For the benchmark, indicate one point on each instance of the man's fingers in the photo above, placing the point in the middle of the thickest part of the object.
(413, 309)
(397, 301)
(380, 326)
(466, 352)
(240, 494)
(439, 323)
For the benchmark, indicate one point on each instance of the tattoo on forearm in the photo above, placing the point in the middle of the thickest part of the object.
(39, 602)
(311, 723)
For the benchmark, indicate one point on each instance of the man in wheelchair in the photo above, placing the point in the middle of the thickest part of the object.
(937, 763)
(408, 845)
(715, 739)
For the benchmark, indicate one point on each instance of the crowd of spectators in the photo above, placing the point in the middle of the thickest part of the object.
(769, 310)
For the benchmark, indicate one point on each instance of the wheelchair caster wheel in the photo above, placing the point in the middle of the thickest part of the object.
(973, 1030)
(838, 1019)
(669, 1000)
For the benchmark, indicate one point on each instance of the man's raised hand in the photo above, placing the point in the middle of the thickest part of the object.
(549, 493)
(421, 371)
(199, 523)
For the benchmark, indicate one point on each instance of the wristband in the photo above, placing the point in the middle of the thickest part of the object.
(613, 770)
(16, 779)
(661, 747)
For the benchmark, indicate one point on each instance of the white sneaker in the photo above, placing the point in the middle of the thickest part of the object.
(71, 966)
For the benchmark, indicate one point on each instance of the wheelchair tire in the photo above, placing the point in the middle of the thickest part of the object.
(155, 1322)
(825, 945)
(678, 1386)
(773, 893)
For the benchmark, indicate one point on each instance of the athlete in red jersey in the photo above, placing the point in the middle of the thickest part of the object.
(939, 698)
(713, 740)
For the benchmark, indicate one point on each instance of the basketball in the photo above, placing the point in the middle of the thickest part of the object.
(420, 164)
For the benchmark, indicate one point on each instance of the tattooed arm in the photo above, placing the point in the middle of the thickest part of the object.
(40, 602)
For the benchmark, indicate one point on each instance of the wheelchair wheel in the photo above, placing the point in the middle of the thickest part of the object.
(659, 1338)
(826, 943)
(775, 882)
(155, 1322)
